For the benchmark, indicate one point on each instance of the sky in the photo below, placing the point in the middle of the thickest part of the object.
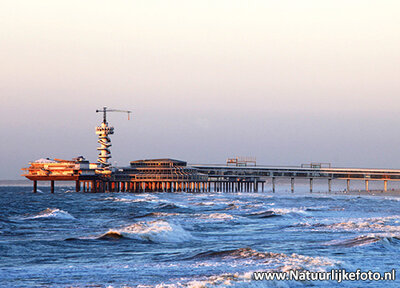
(288, 82)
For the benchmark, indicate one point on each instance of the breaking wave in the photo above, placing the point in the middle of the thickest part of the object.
(276, 261)
(154, 231)
(168, 206)
(209, 203)
(366, 240)
(52, 213)
(273, 212)
(264, 214)
(359, 225)
(111, 235)
(158, 214)
(220, 216)
(134, 198)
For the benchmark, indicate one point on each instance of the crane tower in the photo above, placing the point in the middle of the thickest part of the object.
(105, 143)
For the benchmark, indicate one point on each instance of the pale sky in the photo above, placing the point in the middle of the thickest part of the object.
(288, 82)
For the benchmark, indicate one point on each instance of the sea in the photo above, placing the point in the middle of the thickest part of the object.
(70, 239)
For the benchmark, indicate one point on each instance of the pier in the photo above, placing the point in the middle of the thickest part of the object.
(311, 173)
(150, 175)
(171, 175)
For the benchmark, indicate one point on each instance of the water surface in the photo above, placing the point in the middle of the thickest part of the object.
(191, 240)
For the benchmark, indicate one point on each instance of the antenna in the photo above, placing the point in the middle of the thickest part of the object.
(105, 143)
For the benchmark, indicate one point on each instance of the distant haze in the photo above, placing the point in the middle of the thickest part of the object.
(288, 82)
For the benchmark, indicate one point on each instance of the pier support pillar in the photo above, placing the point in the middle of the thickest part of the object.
(348, 185)
(52, 186)
(330, 185)
(385, 185)
(273, 184)
(262, 186)
(77, 186)
(311, 184)
(366, 185)
(34, 186)
(292, 184)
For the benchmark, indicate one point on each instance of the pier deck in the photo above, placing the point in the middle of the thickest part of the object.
(169, 175)
(294, 172)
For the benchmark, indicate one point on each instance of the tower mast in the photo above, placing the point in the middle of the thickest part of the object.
(105, 143)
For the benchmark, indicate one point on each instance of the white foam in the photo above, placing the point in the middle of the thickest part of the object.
(156, 231)
(134, 198)
(218, 216)
(366, 239)
(357, 224)
(207, 203)
(284, 211)
(53, 213)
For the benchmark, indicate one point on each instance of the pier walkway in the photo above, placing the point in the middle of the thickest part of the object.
(216, 172)
(170, 175)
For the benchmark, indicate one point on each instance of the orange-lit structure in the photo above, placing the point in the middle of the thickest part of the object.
(170, 175)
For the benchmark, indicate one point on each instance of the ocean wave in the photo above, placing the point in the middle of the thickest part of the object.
(263, 214)
(207, 203)
(273, 212)
(219, 216)
(366, 240)
(155, 231)
(284, 211)
(168, 206)
(111, 235)
(231, 206)
(158, 214)
(51, 213)
(224, 280)
(359, 225)
(316, 208)
(248, 253)
(134, 198)
(268, 260)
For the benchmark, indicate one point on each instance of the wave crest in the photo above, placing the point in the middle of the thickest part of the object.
(155, 231)
(362, 224)
(365, 240)
(52, 213)
(111, 235)
(276, 261)
(218, 216)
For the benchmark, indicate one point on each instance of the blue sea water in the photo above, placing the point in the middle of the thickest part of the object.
(70, 239)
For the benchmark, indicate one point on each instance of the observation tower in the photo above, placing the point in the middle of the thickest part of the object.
(105, 142)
